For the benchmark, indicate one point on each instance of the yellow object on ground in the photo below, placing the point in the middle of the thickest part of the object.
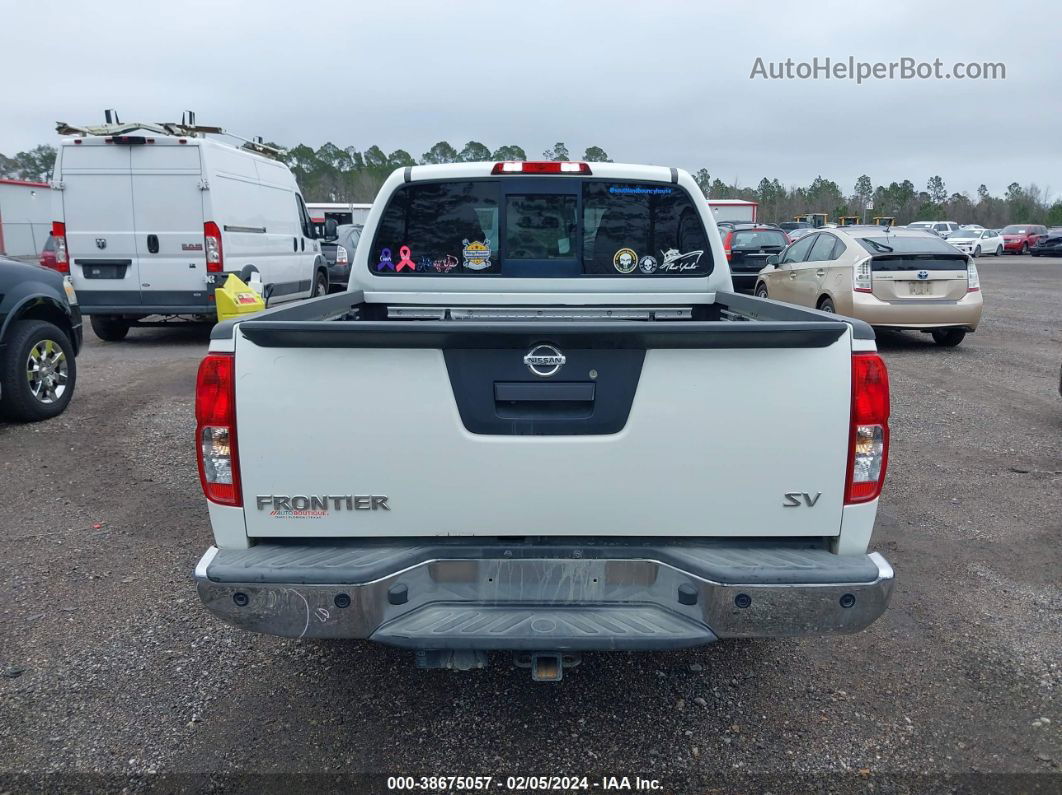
(235, 299)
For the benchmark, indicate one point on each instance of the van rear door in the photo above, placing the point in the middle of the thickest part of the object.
(97, 200)
(168, 217)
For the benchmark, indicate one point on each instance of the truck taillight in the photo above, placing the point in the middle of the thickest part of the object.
(215, 260)
(868, 446)
(341, 255)
(215, 432)
(862, 276)
(62, 259)
(973, 281)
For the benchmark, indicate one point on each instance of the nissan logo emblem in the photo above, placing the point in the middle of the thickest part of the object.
(544, 360)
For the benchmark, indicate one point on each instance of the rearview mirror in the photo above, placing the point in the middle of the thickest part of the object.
(773, 260)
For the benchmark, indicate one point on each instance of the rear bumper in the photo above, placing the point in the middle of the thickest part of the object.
(565, 596)
(919, 313)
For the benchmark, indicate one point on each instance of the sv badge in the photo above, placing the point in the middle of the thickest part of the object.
(794, 499)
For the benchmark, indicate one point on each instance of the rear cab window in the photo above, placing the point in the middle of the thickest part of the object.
(540, 227)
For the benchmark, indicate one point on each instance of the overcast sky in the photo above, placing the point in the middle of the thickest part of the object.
(651, 81)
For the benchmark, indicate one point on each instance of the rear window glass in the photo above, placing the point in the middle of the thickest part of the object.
(541, 227)
(928, 244)
(748, 238)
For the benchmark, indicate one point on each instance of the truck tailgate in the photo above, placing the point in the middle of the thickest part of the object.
(671, 428)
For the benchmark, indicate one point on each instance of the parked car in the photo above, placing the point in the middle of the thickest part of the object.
(47, 259)
(896, 279)
(942, 229)
(151, 223)
(1020, 238)
(747, 248)
(338, 250)
(796, 234)
(1050, 245)
(791, 226)
(977, 241)
(40, 336)
(528, 362)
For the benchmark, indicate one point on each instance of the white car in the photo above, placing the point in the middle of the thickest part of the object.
(978, 241)
(943, 228)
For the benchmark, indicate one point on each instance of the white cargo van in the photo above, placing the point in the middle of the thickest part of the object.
(150, 223)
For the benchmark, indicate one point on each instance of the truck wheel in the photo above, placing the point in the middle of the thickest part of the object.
(320, 285)
(110, 328)
(761, 290)
(949, 337)
(38, 373)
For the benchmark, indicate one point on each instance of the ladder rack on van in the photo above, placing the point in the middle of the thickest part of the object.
(166, 128)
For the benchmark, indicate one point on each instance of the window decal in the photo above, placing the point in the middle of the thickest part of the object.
(446, 264)
(676, 261)
(405, 262)
(385, 263)
(477, 254)
(625, 260)
(639, 190)
(648, 264)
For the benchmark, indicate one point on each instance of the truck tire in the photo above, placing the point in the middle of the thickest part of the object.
(37, 372)
(949, 337)
(110, 328)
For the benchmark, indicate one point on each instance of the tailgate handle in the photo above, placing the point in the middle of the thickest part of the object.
(532, 392)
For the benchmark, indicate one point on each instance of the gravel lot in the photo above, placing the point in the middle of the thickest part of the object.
(109, 666)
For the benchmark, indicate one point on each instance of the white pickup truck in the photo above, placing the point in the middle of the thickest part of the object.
(545, 424)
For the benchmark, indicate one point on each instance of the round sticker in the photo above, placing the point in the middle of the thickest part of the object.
(647, 264)
(625, 260)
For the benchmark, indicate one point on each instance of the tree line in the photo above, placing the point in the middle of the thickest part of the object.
(334, 174)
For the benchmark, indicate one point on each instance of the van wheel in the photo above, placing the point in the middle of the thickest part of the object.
(949, 337)
(761, 290)
(110, 328)
(39, 372)
(826, 305)
(320, 285)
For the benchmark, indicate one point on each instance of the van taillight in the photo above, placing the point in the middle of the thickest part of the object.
(868, 444)
(215, 259)
(215, 432)
(62, 259)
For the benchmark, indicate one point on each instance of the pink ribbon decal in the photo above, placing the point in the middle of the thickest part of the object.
(405, 262)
